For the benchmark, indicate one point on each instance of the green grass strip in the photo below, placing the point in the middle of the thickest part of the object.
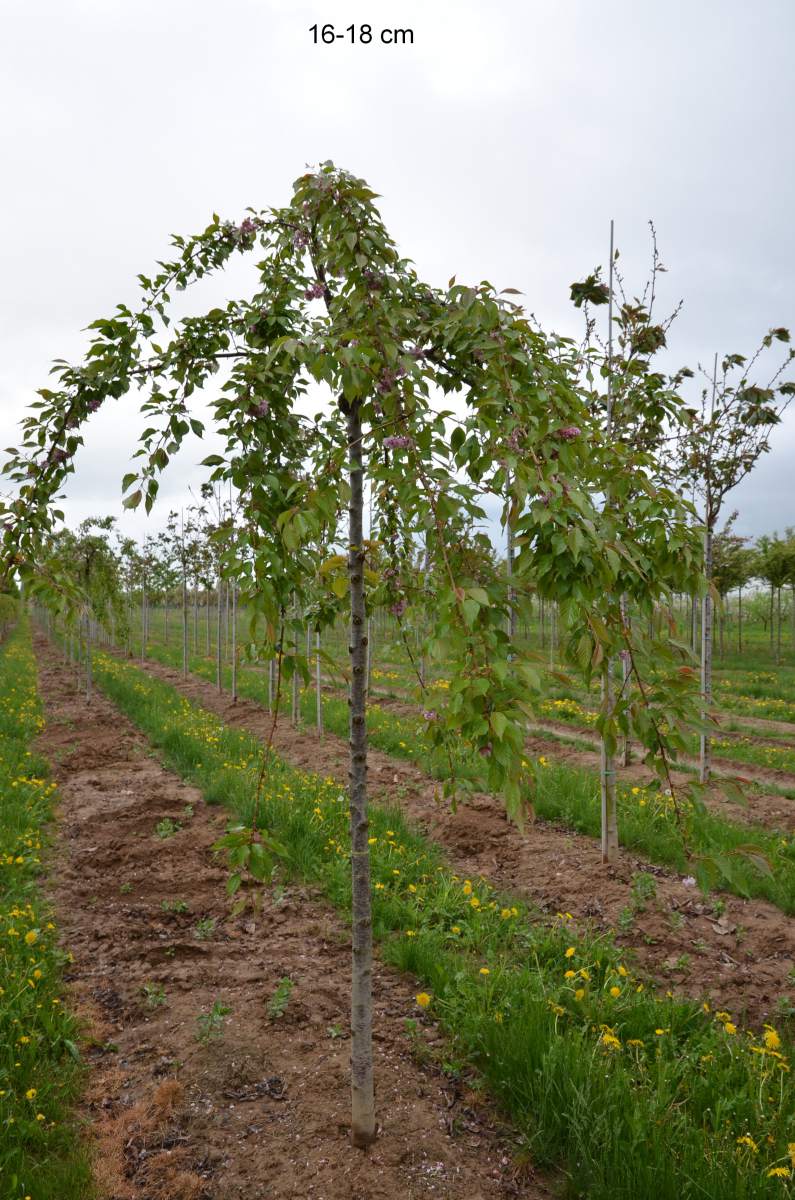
(40, 1153)
(630, 1093)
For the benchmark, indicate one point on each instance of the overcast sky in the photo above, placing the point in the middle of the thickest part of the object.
(502, 142)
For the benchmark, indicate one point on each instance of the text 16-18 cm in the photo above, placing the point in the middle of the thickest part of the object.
(363, 34)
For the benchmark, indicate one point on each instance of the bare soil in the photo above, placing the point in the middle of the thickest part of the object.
(739, 960)
(262, 1111)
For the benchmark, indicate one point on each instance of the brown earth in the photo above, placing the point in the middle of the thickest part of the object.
(740, 960)
(261, 1111)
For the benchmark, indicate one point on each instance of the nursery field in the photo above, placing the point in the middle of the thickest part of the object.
(411, 813)
(519, 989)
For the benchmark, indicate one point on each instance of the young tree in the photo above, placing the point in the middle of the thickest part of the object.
(638, 406)
(723, 441)
(338, 306)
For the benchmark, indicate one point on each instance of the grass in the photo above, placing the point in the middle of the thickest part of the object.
(40, 1154)
(629, 1092)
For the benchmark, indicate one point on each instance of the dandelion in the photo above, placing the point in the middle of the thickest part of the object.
(730, 1029)
(569, 974)
(771, 1038)
(570, 952)
(30, 1094)
(485, 971)
(578, 995)
(423, 999)
(745, 1140)
(31, 936)
(615, 992)
(779, 1173)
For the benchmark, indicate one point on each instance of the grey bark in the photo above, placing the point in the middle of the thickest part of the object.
(706, 659)
(362, 1091)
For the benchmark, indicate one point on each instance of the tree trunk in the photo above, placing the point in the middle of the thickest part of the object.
(184, 623)
(362, 1096)
(207, 595)
(218, 630)
(778, 628)
(772, 598)
(319, 695)
(89, 661)
(509, 557)
(233, 586)
(607, 777)
(143, 620)
(294, 706)
(706, 658)
(626, 669)
(740, 621)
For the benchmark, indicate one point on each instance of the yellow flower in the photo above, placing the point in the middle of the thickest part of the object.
(455, 928)
(467, 887)
(423, 999)
(615, 992)
(729, 1027)
(474, 902)
(745, 1140)
(485, 971)
(569, 974)
(410, 933)
(779, 1173)
(610, 1041)
(771, 1038)
(623, 972)
(570, 952)
(30, 1094)
(31, 936)
(578, 995)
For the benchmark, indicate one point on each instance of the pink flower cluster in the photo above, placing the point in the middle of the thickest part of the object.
(398, 441)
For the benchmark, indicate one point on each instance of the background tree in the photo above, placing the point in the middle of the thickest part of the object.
(726, 435)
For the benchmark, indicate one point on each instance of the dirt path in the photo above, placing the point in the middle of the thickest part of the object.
(260, 1112)
(740, 960)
